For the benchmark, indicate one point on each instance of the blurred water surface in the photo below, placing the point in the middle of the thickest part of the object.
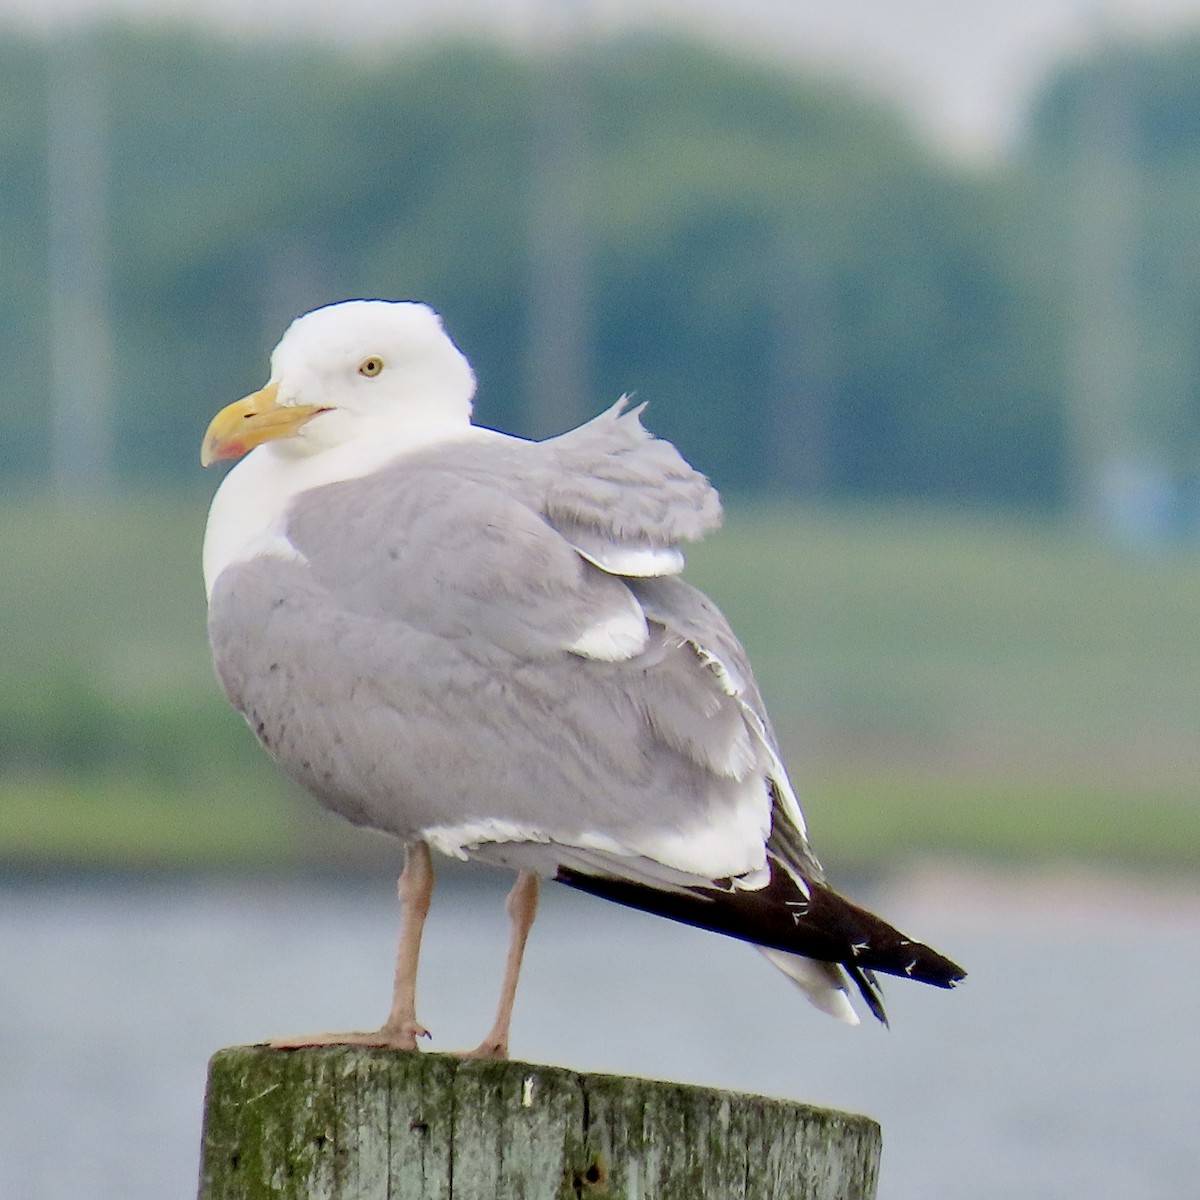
(1065, 1067)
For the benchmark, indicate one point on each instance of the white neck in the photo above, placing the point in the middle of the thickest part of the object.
(247, 513)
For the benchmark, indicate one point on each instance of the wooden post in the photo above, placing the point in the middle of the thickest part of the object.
(344, 1123)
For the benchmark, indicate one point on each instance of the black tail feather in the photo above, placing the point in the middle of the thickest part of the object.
(820, 924)
(872, 993)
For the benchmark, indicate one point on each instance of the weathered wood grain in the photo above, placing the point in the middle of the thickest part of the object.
(345, 1123)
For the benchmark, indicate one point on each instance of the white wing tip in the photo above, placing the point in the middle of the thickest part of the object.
(822, 983)
(634, 562)
(614, 639)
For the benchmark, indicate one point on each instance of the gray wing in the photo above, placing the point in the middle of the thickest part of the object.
(459, 558)
(688, 617)
(442, 660)
(624, 498)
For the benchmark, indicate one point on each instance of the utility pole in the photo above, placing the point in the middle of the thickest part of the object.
(1102, 191)
(801, 386)
(82, 438)
(295, 280)
(557, 384)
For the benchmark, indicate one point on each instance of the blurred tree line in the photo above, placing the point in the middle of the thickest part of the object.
(811, 300)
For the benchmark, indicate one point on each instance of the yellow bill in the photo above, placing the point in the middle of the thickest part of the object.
(249, 422)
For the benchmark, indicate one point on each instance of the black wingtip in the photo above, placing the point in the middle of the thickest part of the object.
(871, 992)
(928, 966)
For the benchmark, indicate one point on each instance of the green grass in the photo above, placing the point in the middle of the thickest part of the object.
(965, 643)
(872, 819)
(942, 684)
(135, 823)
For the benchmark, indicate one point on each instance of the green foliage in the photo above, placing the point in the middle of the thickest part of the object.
(757, 243)
(862, 818)
(131, 822)
(743, 225)
(979, 643)
(940, 685)
(105, 664)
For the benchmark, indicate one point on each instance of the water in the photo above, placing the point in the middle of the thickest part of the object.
(1066, 1067)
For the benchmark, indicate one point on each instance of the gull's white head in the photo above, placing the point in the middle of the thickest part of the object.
(372, 369)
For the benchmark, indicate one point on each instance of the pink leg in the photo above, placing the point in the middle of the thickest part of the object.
(401, 1030)
(415, 889)
(522, 908)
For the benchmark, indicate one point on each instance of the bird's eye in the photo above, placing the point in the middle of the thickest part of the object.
(371, 367)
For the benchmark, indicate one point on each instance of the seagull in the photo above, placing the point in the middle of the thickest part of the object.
(482, 645)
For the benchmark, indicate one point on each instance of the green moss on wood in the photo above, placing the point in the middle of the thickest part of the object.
(344, 1123)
